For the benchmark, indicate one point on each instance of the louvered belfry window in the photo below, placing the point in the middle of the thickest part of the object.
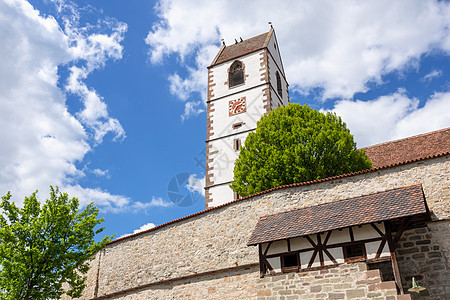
(236, 75)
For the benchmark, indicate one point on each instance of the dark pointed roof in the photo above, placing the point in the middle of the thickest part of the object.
(382, 206)
(245, 47)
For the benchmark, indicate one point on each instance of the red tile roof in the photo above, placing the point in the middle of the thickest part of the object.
(242, 48)
(382, 206)
(410, 148)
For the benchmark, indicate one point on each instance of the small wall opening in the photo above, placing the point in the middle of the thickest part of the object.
(354, 252)
(290, 262)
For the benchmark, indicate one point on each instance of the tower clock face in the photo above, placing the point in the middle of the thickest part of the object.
(236, 106)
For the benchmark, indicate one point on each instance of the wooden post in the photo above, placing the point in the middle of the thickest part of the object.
(320, 247)
(395, 269)
(262, 266)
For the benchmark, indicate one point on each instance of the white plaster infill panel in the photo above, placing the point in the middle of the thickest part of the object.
(275, 263)
(339, 236)
(367, 231)
(372, 247)
(252, 65)
(277, 247)
(337, 254)
(300, 243)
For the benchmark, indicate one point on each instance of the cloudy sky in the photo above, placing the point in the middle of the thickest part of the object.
(106, 99)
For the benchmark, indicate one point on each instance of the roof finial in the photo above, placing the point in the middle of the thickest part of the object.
(241, 40)
(235, 41)
(270, 23)
(223, 41)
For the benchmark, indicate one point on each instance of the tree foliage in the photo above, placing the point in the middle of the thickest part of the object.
(295, 144)
(42, 247)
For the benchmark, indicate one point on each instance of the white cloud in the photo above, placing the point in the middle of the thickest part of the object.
(195, 82)
(140, 229)
(94, 49)
(434, 115)
(155, 202)
(191, 109)
(432, 74)
(102, 199)
(42, 142)
(101, 173)
(393, 116)
(196, 184)
(340, 46)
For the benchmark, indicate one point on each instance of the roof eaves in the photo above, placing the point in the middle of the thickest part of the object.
(347, 199)
(269, 35)
(218, 55)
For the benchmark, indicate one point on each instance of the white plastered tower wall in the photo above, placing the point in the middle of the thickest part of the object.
(261, 61)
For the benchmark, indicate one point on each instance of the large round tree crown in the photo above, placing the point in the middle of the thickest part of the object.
(294, 144)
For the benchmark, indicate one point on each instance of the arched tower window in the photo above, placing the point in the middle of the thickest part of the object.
(279, 89)
(236, 74)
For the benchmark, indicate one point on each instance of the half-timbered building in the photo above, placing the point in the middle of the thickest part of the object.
(366, 228)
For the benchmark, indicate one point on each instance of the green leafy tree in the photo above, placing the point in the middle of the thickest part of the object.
(295, 144)
(43, 247)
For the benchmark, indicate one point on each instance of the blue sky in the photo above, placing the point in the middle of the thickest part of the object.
(106, 98)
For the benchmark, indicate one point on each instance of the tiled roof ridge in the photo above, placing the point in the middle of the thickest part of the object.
(253, 38)
(346, 199)
(408, 138)
(278, 188)
(217, 60)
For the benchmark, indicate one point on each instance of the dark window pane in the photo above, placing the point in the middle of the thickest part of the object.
(279, 88)
(236, 75)
(290, 260)
(355, 251)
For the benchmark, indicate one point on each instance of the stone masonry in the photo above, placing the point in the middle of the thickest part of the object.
(205, 256)
(423, 253)
(348, 281)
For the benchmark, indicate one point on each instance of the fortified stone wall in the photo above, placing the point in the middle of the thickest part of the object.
(216, 240)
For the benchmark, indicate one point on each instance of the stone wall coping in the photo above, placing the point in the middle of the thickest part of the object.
(305, 183)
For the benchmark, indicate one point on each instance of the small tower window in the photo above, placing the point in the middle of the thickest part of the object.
(279, 89)
(236, 74)
(237, 144)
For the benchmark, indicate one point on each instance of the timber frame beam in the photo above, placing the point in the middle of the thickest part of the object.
(320, 248)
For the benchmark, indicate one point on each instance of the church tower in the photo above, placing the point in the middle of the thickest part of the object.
(246, 80)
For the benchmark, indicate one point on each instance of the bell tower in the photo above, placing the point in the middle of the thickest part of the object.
(246, 80)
